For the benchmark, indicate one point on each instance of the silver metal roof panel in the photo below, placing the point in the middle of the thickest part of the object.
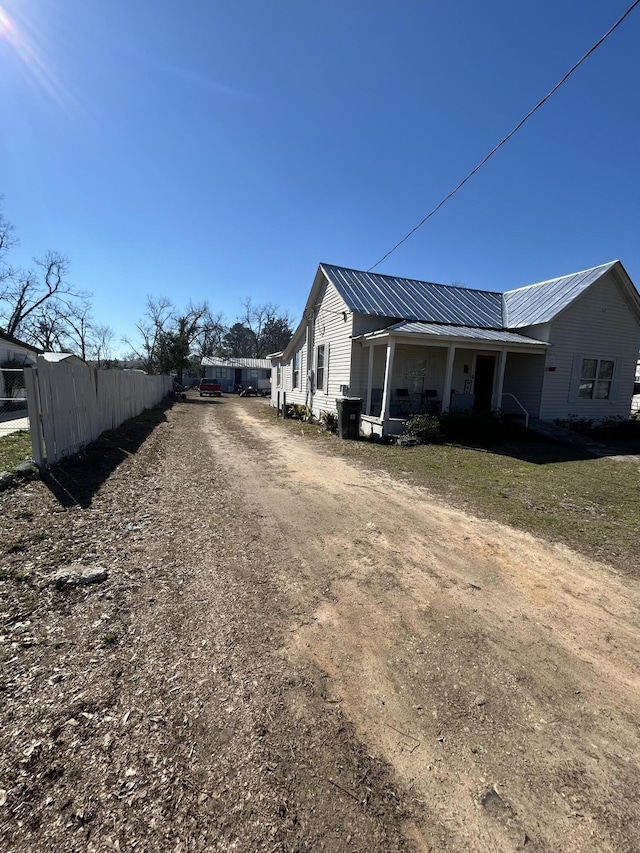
(216, 361)
(441, 330)
(409, 299)
(540, 303)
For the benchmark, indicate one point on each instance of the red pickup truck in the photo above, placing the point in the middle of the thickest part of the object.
(210, 388)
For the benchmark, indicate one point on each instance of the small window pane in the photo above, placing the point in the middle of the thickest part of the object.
(589, 368)
(605, 370)
(602, 390)
(586, 390)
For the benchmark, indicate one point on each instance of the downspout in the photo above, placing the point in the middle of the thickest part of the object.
(309, 364)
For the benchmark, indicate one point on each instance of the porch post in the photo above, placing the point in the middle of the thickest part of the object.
(448, 376)
(367, 410)
(386, 392)
(500, 380)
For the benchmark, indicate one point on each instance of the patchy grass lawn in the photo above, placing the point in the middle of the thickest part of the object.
(14, 449)
(551, 490)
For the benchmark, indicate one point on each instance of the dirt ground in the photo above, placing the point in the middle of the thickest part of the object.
(292, 653)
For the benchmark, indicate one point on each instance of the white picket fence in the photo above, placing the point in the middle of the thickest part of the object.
(71, 404)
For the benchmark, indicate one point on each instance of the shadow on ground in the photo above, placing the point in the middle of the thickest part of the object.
(75, 481)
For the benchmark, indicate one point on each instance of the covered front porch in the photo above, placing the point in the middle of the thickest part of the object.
(409, 370)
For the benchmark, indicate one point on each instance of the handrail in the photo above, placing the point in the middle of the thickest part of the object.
(518, 403)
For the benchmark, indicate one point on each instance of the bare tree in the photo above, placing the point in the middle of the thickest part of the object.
(80, 328)
(101, 343)
(151, 329)
(271, 331)
(45, 328)
(35, 303)
(169, 339)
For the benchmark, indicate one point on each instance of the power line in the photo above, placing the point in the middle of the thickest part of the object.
(508, 136)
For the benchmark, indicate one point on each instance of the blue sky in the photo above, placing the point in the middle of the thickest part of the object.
(221, 149)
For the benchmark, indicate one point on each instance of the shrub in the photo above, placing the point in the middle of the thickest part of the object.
(298, 412)
(427, 429)
(475, 427)
(330, 420)
(463, 427)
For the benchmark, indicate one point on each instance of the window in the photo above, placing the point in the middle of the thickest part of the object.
(296, 369)
(595, 379)
(320, 368)
(278, 376)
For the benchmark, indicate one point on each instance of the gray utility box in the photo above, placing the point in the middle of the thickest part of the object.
(349, 409)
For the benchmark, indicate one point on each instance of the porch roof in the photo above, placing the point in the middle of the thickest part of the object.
(453, 333)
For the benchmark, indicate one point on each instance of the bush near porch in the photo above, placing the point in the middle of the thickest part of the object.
(470, 428)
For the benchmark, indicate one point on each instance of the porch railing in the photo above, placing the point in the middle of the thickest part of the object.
(520, 406)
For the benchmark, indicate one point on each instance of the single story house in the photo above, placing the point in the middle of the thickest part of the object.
(11, 349)
(232, 373)
(567, 346)
(14, 354)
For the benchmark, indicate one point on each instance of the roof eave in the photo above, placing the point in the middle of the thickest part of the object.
(425, 337)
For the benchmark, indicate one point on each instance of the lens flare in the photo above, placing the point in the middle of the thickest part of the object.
(25, 55)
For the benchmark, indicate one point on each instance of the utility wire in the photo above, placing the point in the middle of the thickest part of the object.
(508, 136)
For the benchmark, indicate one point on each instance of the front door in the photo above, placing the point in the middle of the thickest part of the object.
(238, 378)
(483, 385)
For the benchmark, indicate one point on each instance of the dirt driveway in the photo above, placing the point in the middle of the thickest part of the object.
(294, 653)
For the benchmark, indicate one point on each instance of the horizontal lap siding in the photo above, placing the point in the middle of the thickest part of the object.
(362, 325)
(328, 327)
(523, 377)
(599, 324)
(331, 328)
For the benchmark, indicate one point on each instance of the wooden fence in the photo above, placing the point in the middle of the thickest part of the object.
(72, 404)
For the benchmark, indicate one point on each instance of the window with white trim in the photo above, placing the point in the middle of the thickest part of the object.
(278, 376)
(296, 369)
(596, 376)
(320, 367)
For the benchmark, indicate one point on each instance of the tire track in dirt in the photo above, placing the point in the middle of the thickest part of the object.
(483, 664)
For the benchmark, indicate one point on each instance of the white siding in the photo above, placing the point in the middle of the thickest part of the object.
(334, 331)
(599, 324)
(328, 326)
(523, 377)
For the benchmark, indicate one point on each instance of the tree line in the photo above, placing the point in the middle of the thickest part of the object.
(41, 307)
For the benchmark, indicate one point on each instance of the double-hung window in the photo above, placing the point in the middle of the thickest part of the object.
(296, 369)
(596, 377)
(320, 367)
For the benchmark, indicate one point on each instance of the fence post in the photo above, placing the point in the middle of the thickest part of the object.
(35, 415)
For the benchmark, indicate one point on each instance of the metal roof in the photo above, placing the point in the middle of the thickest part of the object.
(10, 339)
(443, 331)
(216, 361)
(388, 296)
(540, 303)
